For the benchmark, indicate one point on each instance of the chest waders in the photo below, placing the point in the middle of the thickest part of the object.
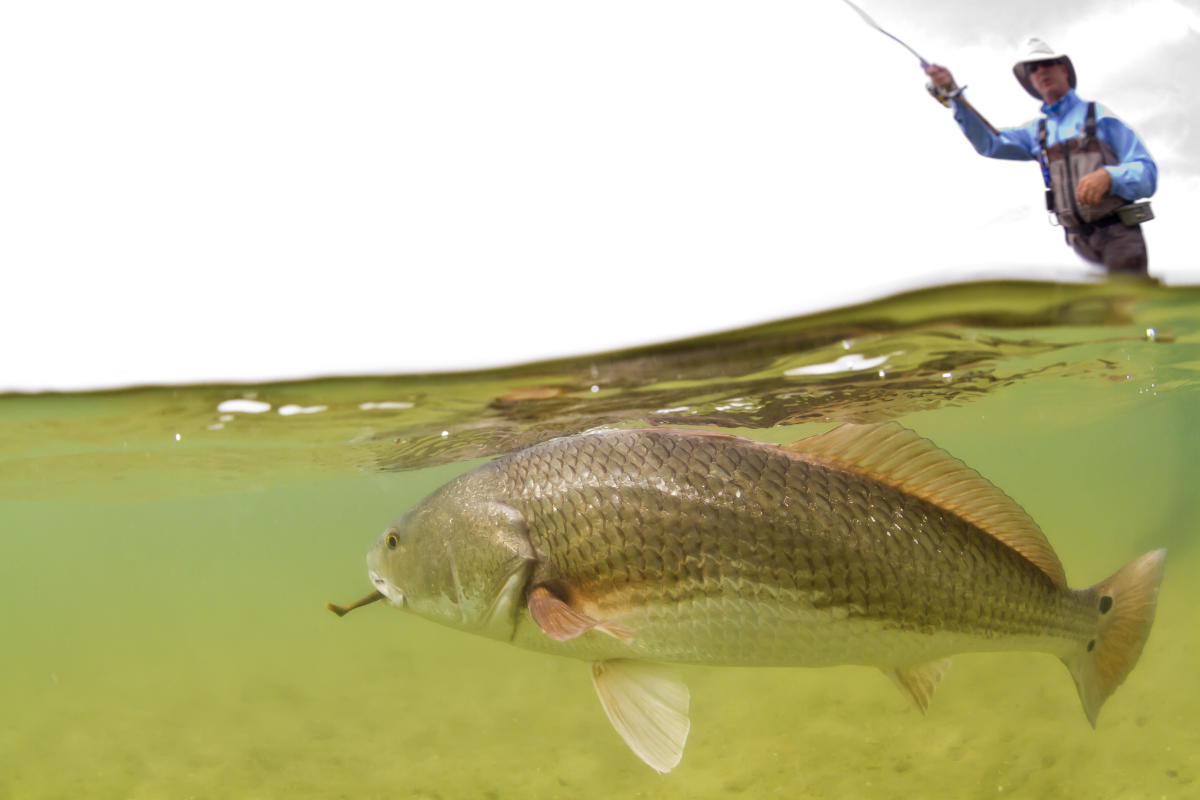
(1089, 229)
(1062, 167)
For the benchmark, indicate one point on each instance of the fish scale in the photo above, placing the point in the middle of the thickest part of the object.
(799, 533)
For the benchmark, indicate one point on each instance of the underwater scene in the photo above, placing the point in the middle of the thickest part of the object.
(167, 553)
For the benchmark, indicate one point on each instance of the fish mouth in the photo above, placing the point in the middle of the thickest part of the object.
(389, 592)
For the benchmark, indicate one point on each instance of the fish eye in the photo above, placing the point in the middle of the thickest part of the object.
(392, 540)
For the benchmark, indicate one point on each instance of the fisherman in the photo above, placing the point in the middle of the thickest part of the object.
(1093, 164)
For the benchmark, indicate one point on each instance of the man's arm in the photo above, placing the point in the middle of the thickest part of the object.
(1135, 174)
(1017, 144)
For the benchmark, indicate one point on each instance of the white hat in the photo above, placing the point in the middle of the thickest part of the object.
(1034, 49)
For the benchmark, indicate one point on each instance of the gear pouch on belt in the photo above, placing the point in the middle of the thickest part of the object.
(1135, 213)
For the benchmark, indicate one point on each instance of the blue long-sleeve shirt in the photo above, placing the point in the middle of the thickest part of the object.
(1134, 176)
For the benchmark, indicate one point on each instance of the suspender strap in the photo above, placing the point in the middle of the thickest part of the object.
(1090, 125)
(1043, 155)
(1044, 160)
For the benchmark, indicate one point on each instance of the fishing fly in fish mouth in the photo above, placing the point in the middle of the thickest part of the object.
(862, 545)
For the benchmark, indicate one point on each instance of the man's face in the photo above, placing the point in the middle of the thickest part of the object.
(1049, 79)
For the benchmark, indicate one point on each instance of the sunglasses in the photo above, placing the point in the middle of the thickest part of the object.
(1036, 65)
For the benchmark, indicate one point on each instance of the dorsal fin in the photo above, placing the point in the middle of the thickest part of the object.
(894, 455)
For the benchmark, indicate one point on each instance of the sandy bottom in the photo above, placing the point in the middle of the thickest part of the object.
(381, 704)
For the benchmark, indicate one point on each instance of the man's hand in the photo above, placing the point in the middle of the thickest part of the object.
(1092, 187)
(940, 76)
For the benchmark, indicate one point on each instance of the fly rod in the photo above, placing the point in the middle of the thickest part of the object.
(943, 97)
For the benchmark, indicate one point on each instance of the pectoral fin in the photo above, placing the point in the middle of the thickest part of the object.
(648, 706)
(920, 682)
(561, 622)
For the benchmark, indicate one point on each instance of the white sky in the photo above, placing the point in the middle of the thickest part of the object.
(252, 190)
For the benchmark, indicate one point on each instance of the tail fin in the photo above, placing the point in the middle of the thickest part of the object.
(1126, 602)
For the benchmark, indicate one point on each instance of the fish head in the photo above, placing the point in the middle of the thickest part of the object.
(463, 562)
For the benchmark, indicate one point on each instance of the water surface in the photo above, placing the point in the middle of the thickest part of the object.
(166, 553)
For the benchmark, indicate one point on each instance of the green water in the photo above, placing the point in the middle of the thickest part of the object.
(164, 567)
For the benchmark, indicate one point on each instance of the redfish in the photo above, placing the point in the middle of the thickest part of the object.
(863, 545)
